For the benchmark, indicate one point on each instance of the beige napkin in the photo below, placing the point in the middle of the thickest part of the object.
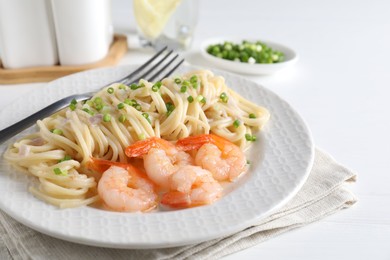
(324, 193)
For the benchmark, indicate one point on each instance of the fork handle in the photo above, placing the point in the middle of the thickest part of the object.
(16, 128)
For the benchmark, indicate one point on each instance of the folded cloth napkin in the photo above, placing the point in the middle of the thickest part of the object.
(324, 193)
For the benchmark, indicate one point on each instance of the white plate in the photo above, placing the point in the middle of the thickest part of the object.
(291, 57)
(281, 160)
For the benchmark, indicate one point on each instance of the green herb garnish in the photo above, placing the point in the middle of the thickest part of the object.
(246, 51)
(120, 106)
(73, 104)
(66, 158)
(190, 99)
(58, 171)
(110, 90)
(250, 138)
(106, 117)
(170, 108)
(236, 123)
(122, 118)
(223, 97)
(57, 131)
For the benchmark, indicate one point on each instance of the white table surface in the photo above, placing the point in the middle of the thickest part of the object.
(340, 86)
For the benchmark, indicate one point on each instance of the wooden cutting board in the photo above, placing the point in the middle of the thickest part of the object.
(43, 74)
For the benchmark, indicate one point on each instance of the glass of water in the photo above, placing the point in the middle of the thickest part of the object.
(166, 22)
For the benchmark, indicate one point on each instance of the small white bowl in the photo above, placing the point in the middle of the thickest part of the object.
(290, 58)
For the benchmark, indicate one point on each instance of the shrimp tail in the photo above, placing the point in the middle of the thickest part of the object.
(101, 165)
(176, 199)
(195, 142)
(142, 147)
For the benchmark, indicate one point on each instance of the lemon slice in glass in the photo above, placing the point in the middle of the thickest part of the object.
(152, 15)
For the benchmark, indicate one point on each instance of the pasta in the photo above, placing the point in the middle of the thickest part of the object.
(117, 116)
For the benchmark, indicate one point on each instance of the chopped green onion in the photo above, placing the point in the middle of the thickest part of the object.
(107, 118)
(121, 86)
(170, 108)
(248, 52)
(57, 131)
(250, 138)
(135, 86)
(183, 89)
(128, 102)
(89, 111)
(177, 80)
(99, 107)
(120, 105)
(251, 115)
(138, 107)
(190, 99)
(66, 158)
(73, 104)
(194, 79)
(158, 84)
(110, 90)
(141, 136)
(224, 98)
(194, 82)
(122, 118)
(58, 171)
(186, 83)
(89, 103)
(72, 107)
(146, 115)
(236, 123)
(132, 103)
(201, 99)
(98, 100)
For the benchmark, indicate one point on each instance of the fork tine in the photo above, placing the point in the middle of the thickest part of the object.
(154, 76)
(128, 82)
(173, 69)
(166, 66)
(132, 74)
(12, 130)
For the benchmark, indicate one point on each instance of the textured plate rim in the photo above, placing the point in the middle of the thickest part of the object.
(117, 242)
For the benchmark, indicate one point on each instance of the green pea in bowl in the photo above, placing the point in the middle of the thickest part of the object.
(256, 57)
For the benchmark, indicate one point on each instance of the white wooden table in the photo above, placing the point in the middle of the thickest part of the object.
(340, 86)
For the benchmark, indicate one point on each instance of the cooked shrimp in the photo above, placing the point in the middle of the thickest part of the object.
(122, 187)
(222, 158)
(161, 159)
(191, 186)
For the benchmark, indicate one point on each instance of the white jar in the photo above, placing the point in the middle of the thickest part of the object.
(27, 37)
(84, 30)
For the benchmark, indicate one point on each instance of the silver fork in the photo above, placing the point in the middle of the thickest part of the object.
(157, 67)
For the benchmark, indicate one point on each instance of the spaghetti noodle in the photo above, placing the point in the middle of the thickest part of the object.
(117, 116)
